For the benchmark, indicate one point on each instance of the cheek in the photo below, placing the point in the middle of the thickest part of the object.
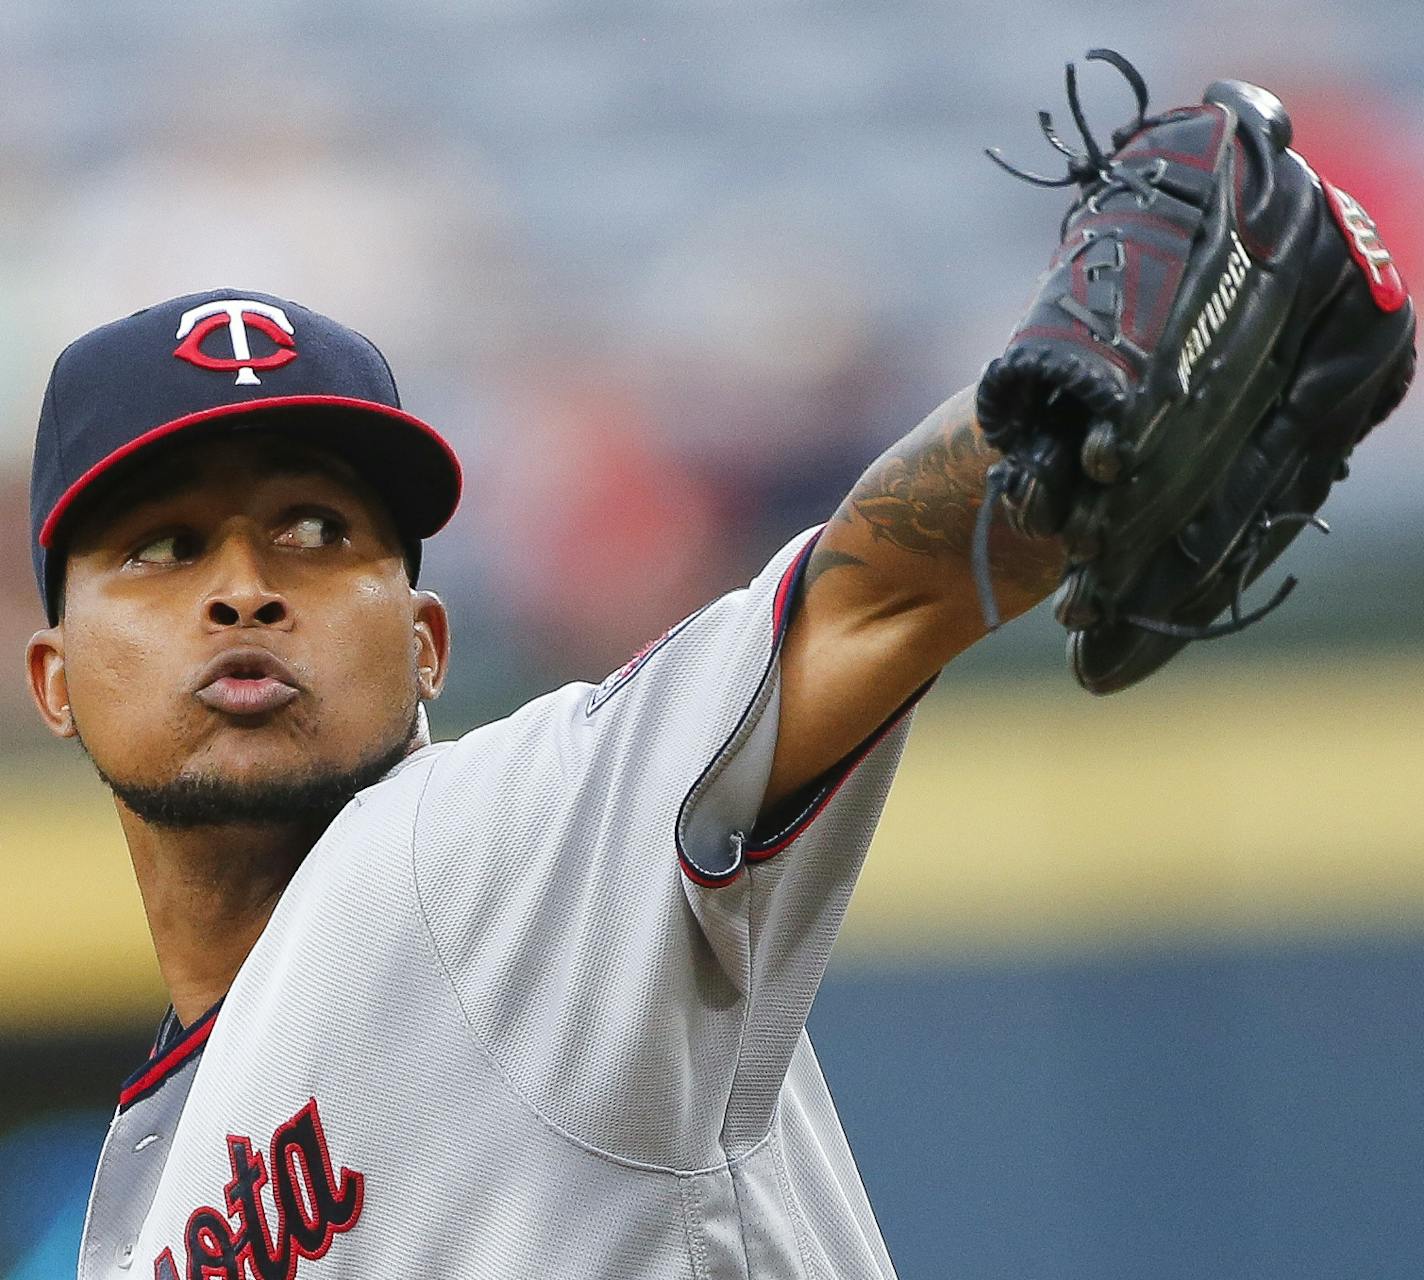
(366, 646)
(124, 682)
(116, 655)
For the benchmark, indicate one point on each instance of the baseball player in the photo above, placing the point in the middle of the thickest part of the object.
(530, 1003)
(526, 1004)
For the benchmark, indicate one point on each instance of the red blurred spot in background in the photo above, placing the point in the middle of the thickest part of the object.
(1365, 142)
(601, 536)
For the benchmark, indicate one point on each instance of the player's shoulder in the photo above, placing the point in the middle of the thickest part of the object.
(645, 730)
(530, 734)
(530, 744)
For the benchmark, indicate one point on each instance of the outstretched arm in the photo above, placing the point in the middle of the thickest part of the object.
(888, 597)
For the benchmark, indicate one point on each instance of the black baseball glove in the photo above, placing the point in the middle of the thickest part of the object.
(1218, 329)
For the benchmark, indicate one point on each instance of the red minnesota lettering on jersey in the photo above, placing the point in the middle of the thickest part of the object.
(314, 1204)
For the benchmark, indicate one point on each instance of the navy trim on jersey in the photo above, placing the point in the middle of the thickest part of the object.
(167, 1059)
(786, 593)
(763, 847)
(169, 1029)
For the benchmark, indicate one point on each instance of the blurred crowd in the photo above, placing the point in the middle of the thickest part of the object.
(668, 275)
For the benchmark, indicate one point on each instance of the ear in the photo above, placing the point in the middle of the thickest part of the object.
(432, 643)
(45, 662)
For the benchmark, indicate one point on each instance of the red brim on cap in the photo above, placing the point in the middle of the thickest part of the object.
(413, 467)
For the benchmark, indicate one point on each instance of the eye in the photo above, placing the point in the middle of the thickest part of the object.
(171, 548)
(311, 531)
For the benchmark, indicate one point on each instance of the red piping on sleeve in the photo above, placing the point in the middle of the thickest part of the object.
(784, 590)
(780, 614)
(760, 852)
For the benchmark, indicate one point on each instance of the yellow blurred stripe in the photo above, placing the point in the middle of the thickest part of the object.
(1247, 801)
(74, 946)
(1206, 803)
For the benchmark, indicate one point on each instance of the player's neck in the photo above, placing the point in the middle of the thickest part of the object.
(208, 894)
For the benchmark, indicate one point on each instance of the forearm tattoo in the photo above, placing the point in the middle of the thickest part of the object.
(923, 495)
(824, 558)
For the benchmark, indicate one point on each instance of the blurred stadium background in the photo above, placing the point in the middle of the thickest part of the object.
(1132, 987)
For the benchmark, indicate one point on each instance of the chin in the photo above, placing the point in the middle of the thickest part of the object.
(255, 761)
(250, 776)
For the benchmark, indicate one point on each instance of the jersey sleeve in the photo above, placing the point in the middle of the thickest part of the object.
(770, 898)
(635, 951)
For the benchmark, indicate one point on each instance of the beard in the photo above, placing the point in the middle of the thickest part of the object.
(312, 797)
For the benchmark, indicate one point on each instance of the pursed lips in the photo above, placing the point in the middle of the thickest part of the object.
(246, 681)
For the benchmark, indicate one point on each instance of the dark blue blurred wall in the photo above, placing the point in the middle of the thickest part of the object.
(1242, 1111)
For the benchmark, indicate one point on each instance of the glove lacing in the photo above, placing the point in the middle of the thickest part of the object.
(1097, 172)
(1100, 175)
(1239, 621)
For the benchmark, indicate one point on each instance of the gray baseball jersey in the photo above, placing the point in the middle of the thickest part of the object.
(533, 1006)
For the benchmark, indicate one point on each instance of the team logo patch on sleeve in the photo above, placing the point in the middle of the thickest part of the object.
(313, 1203)
(617, 679)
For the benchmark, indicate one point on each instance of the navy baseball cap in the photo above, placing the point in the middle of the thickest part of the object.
(226, 360)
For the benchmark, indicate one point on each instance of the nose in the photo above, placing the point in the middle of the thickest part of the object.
(241, 595)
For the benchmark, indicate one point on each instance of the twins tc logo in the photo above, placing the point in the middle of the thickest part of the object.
(314, 1203)
(237, 315)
